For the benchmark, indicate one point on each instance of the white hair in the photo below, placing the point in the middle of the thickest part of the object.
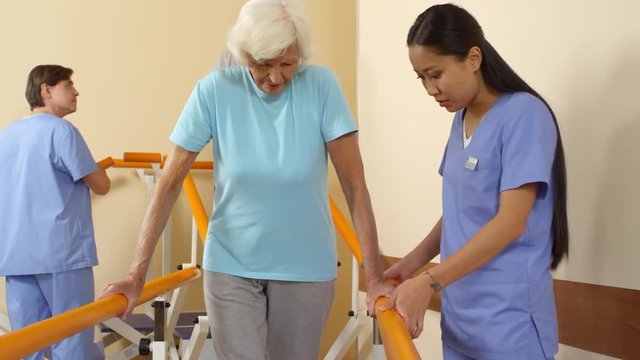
(266, 28)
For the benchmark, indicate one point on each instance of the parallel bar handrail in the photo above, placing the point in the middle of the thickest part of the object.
(197, 208)
(394, 332)
(119, 163)
(145, 160)
(29, 339)
(106, 163)
(345, 230)
(139, 162)
(142, 157)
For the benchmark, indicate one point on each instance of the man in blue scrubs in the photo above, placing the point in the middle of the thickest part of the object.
(47, 246)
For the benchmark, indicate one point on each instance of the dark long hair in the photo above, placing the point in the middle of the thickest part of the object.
(451, 30)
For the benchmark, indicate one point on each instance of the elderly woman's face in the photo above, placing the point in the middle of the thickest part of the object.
(273, 75)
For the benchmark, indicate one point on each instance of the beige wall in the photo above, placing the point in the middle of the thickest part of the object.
(135, 64)
(582, 56)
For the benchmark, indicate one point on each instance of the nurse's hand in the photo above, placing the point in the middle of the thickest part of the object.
(129, 287)
(375, 289)
(411, 299)
(399, 272)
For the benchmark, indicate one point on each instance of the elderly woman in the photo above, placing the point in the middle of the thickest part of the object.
(270, 256)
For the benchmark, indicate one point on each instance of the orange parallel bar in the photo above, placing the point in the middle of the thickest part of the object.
(138, 157)
(119, 163)
(32, 338)
(142, 157)
(345, 231)
(398, 344)
(197, 208)
(167, 283)
(105, 163)
(202, 165)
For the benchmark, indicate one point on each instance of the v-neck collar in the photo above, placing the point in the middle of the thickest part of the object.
(480, 126)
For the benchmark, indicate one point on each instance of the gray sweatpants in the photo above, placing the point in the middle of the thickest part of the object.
(256, 319)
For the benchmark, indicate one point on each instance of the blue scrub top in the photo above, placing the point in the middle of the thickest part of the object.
(45, 217)
(271, 217)
(489, 312)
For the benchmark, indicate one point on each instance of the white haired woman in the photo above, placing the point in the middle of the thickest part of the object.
(270, 256)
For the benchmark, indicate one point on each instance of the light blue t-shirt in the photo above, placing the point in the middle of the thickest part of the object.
(45, 211)
(271, 215)
(490, 312)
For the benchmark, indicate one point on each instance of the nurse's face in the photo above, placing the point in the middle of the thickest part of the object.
(273, 75)
(452, 82)
(61, 98)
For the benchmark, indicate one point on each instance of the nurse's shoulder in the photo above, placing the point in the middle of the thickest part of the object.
(43, 123)
(528, 110)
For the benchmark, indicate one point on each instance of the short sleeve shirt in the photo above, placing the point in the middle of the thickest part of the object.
(45, 216)
(271, 215)
(488, 312)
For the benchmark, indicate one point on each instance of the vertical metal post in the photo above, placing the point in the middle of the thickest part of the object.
(378, 349)
(377, 339)
(194, 241)
(159, 345)
(158, 320)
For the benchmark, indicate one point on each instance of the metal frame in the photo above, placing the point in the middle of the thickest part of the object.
(353, 327)
(190, 349)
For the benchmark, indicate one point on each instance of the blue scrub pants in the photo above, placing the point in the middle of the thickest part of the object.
(32, 298)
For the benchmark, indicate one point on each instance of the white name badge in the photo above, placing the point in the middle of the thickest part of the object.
(471, 163)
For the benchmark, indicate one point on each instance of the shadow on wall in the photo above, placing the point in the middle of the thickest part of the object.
(604, 196)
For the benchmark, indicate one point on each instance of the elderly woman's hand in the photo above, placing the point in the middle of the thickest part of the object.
(376, 288)
(129, 287)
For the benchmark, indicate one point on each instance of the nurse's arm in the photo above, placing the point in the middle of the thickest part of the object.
(98, 181)
(346, 159)
(509, 224)
(169, 185)
(428, 248)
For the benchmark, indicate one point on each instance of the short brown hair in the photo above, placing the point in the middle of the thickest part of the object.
(44, 74)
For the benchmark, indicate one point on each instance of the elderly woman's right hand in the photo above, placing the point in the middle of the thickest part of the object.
(129, 287)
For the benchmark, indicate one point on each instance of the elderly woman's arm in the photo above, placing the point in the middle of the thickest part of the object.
(169, 185)
(347, 161)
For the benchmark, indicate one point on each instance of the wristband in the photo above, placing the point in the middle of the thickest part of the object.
(435, 285)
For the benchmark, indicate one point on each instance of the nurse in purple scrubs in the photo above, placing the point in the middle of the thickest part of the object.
(504, 222)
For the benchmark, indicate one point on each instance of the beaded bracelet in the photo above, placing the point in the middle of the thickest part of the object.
(435, 285)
